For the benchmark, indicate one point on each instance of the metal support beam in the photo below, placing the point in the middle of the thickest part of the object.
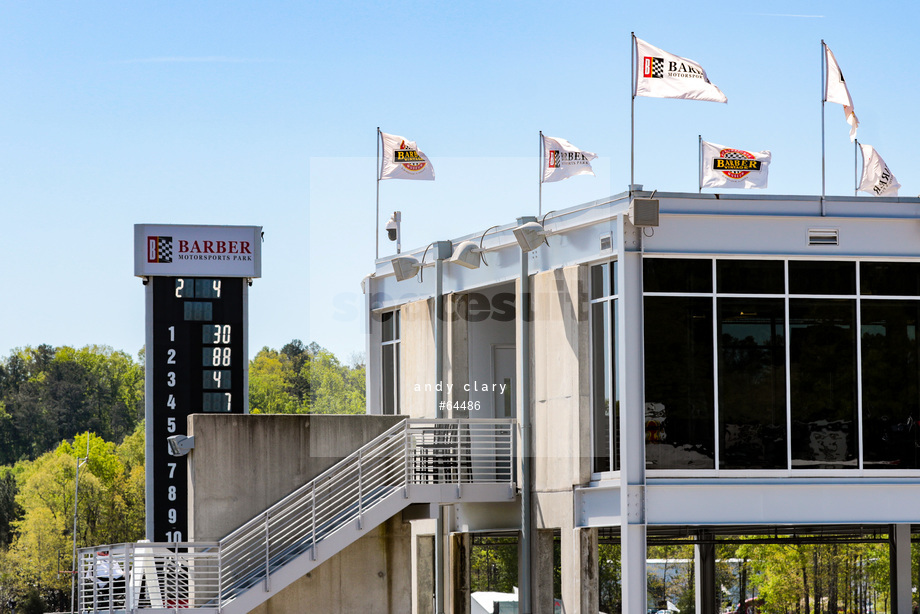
(632, 416)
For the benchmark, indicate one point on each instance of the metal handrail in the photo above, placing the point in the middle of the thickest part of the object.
(411, 453)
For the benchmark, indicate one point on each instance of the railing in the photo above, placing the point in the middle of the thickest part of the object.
(411, 453)
(128, 577)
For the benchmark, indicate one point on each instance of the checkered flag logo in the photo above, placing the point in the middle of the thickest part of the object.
(653, 68)
(159, 249)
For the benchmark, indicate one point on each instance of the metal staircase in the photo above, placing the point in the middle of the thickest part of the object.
(415, 461)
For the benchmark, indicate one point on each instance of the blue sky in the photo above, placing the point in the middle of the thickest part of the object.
(265, 113)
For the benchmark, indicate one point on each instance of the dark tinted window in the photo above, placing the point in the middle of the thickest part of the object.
(677, 275)
(679, 415)
(890, 384)
(390, 325)
(752, 383)
(603, 280)
(889, 278)
(821, 277)
(603, 397)
(822, 367)
(750, 276)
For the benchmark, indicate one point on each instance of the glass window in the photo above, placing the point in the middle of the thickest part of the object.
(677, 275)
(601, 333)
(890, 383)
(605, 404)
(679, 413)
(750, 276)
(752, 383)
(390, 361)
(603, 280)
(822, 371)
(822, 277)
(889, 278)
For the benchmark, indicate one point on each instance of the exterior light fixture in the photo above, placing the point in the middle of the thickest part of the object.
(180, 445)
(405, 267)
(530, 236)
(468, 254)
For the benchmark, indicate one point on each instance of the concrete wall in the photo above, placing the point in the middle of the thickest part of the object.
(562, 435)
(241, 464)
(561, 393)
(417, 359)
(371, 575)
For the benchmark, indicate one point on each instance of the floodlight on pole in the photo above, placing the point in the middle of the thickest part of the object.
(468, 254)
(405, 267)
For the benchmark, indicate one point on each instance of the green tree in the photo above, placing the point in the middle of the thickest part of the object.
(49, 394)
(270, 373)
(304, 379)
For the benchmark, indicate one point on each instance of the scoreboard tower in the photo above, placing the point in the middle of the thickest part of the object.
(197, 280)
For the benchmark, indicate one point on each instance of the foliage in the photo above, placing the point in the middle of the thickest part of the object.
(110, 510)
(302, 379)
(50, 394)
(61, 405)
(494, 564)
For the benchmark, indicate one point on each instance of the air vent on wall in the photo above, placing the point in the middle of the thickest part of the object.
(606, 242)
(823, 236)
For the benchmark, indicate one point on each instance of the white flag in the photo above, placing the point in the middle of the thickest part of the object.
(562, 160)
(660, 74)
(724, 167)
(876, 178)
(836, 90)
(403, 160)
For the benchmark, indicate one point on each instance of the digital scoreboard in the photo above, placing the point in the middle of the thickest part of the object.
(197, 280)
(198, 366)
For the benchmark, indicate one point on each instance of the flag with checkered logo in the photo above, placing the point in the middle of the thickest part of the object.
(660, 74)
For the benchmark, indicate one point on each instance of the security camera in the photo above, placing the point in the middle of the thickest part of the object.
(393, 226)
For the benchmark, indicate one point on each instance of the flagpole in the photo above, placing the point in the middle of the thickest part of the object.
(699, 167)
(377, 218)
(632, 116)
(823, 100)
(855, 167)
(540, 201)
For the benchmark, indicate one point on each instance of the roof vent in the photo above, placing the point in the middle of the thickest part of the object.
(823, 236)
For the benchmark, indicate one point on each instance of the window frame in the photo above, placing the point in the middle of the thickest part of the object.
(391, 387)
(610, 302)
(787, 296)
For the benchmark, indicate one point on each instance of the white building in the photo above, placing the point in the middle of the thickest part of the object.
(700, 362)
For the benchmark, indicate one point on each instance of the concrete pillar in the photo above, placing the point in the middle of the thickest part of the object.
(424, 590)
(630, 378)
(579, 571)
(899, 543)
(461, 550)
(542, 571)
(704, 561)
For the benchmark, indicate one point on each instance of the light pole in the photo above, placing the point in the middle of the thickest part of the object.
(76, 494)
